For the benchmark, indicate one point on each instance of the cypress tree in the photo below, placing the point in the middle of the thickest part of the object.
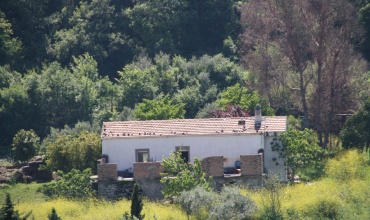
(7, 211)
(53, 215)
(136, 203)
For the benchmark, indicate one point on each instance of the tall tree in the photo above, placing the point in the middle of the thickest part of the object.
(137, 203)
(10, 46)
(314, 40)
(160, 109)
(25, 145)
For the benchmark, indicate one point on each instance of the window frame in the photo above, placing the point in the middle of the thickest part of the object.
(137, 151)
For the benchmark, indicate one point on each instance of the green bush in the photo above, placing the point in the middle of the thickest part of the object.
(72, 185)
(25, 145)
(197, 202)
(229, 204)
(325, 209)
(349, 165)
(79, 151)
(232, 205)
(188, 175)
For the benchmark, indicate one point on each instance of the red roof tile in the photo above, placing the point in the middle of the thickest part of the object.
(179, 127)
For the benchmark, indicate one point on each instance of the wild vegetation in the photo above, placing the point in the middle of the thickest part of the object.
(341, 193)
(67, 66)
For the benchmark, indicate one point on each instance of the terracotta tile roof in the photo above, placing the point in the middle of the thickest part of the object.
(179, 127)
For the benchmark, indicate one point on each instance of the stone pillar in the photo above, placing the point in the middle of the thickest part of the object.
(251, 165)
(107, 172)
(213, 166)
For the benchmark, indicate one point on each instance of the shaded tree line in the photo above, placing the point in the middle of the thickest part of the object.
(65, 62)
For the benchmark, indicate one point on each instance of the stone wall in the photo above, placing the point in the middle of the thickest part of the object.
(147, 170)
(107, 172)
(114, 190)
(147, 176)
(213, 166)
(251, 165)
(237, 180)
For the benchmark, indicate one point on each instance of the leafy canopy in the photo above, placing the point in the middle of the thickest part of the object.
(298, 149)
(238, 95)
(356, 130)
(79, 151)
(160, 109)
(72, 185)
(25, 144)
(181, 176)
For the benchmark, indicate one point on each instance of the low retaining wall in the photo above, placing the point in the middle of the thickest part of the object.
(147, 176)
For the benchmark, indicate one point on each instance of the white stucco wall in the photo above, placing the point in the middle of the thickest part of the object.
(269, 164)
(122, 151)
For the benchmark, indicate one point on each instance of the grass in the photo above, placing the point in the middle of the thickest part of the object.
(26, 198)
(328, 198)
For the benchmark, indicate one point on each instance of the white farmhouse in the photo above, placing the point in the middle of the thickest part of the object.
(125, 143)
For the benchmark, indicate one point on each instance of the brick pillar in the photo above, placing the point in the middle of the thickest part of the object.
(148, 170)
(213, 166)
(107, 172)
(251, 165)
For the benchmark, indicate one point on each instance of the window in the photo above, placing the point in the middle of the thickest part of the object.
(185, 153)
(142, 155)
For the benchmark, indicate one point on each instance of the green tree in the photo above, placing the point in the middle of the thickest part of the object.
(298, 149)
(53, 215)
(72, 185)
(15, 106)
(25, 145)
(78, 151)
(136, 84)
(356, 130)
(187, 175)
(7, 212)
(160, 109)
(96, 27)
(136, 203)
(9, 46)
(238, 95)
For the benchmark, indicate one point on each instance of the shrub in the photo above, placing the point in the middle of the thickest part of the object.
(271, 198)
(72, 185)
(188, 175)
(25, 144)
(349, 165)
(127, 216)
(232, 205)
(229, 204)
(197, 201)
(325, 209)
(79, 151)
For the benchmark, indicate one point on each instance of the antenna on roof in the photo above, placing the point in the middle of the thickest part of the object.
(257, 118)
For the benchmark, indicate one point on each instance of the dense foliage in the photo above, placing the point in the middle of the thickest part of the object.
(228, 204)
(25, 144)
(79, 151)
(72, 185)
(137, 203)
(66, 62)
(188, 175)
(298, 149)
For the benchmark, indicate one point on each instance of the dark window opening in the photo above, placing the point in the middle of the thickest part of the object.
(184, 153)
(142, 155)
